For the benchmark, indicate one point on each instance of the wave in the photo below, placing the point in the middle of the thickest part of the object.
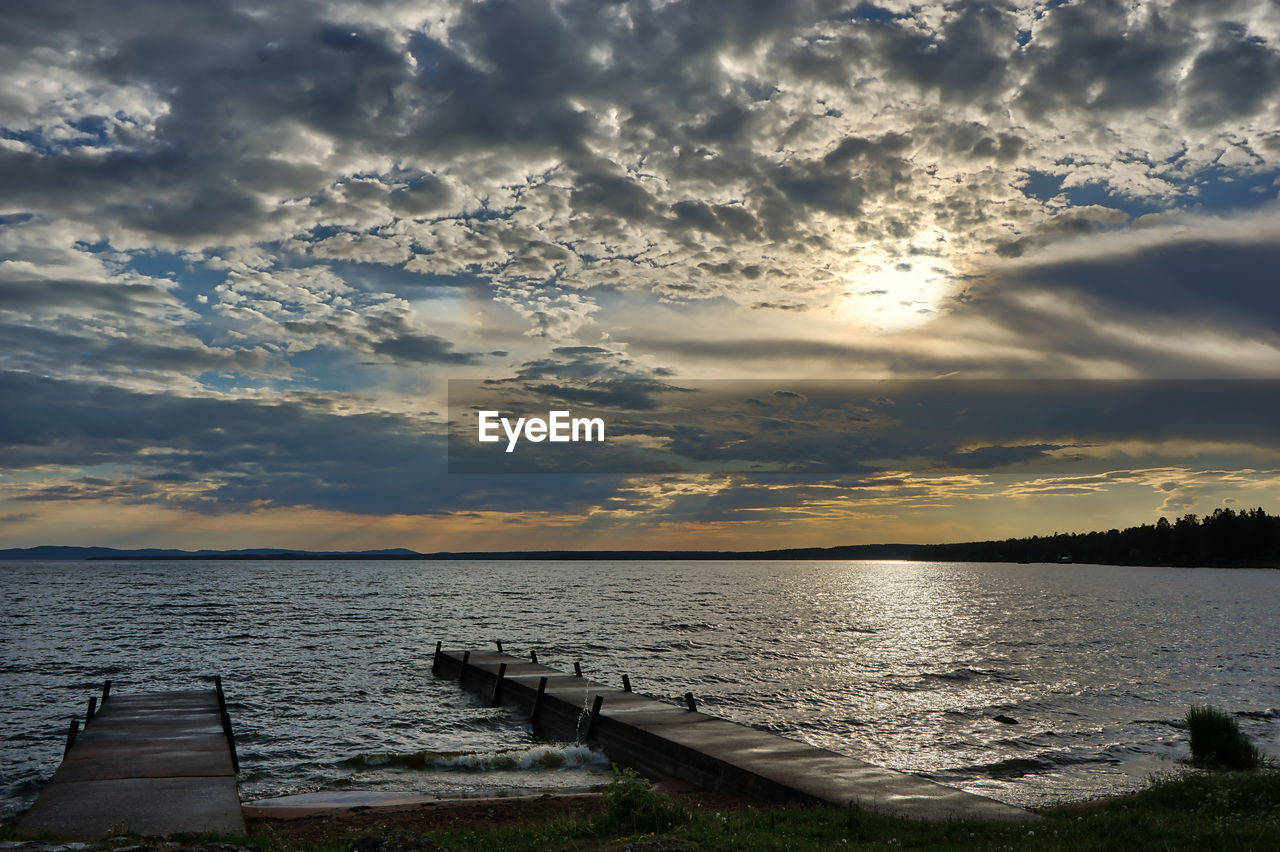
(929, 680)
(1016, 767)
(1045, 761)
(539, 757)
(689, 627)
(970, 674)
(1270, 713)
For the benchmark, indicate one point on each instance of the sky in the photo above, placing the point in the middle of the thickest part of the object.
(245, 247)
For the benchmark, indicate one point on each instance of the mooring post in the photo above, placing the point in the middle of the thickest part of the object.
(577, 668)
(537, 699)
(222, 698)
(533, 657)
(498, 642)
(693, 705)
(93, 708)
(497, 685)
(626, 684)
(435, 660)
(462, 670)
(72, 733)
(106, 692)
(595, 714)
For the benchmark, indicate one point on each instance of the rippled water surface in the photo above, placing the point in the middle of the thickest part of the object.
(327, 664)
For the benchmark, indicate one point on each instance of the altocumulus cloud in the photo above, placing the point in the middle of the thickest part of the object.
(217, 204)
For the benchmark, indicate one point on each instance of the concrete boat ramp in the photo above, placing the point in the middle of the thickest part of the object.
(155, 764)
(679, 742)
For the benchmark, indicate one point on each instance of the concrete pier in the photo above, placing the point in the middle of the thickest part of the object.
(658, 738)
(155, 764)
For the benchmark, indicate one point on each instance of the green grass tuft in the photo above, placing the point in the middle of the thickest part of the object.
(1217, 741)
(631, 806)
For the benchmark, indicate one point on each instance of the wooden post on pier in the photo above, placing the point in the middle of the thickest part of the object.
(93, 708)
(693, 705)
(626, 684)
(497, 685)
(73, 731)
(595, 715)
(537, 699)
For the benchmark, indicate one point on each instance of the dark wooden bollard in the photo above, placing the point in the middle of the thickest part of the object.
(222, 698)
(497, 685)
(533, 657)
(106, 691)
(498, 642)
(595, 714)
(93, 708)
(693, 705)
(537, 699)
(462, 670)
(435, 660)
(577, 668)
(626, 684)
(72, 732)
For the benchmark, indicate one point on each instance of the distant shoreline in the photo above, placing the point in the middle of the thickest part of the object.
(888, 552)
(1223, 539)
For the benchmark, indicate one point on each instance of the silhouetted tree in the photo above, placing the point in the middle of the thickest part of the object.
(1223, 537)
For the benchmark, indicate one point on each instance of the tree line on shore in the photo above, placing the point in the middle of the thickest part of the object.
(1223, 537)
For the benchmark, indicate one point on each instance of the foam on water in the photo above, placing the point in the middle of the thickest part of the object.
(534, 759)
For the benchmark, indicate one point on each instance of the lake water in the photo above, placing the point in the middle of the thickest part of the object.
(905, 664)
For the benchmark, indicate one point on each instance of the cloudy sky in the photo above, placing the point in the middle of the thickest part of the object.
(245, 246)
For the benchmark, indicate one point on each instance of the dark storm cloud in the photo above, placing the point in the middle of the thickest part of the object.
(423, 349)
(188, 357)
(1194, 308)
(1088, 56)
(870, 427)
(233, 79)
(587, 375)
(968, 59)
(38, 295)
(1226, 286)
(1237, 76)
(219, 455)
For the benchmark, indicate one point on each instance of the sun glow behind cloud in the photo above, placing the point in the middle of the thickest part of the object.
(888, 294)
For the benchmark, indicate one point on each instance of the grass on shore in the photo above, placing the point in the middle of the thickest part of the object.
(1196, 811)
(1231, 810)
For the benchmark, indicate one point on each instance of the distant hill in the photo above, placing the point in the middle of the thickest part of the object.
(1249, 538)
(75, 554)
